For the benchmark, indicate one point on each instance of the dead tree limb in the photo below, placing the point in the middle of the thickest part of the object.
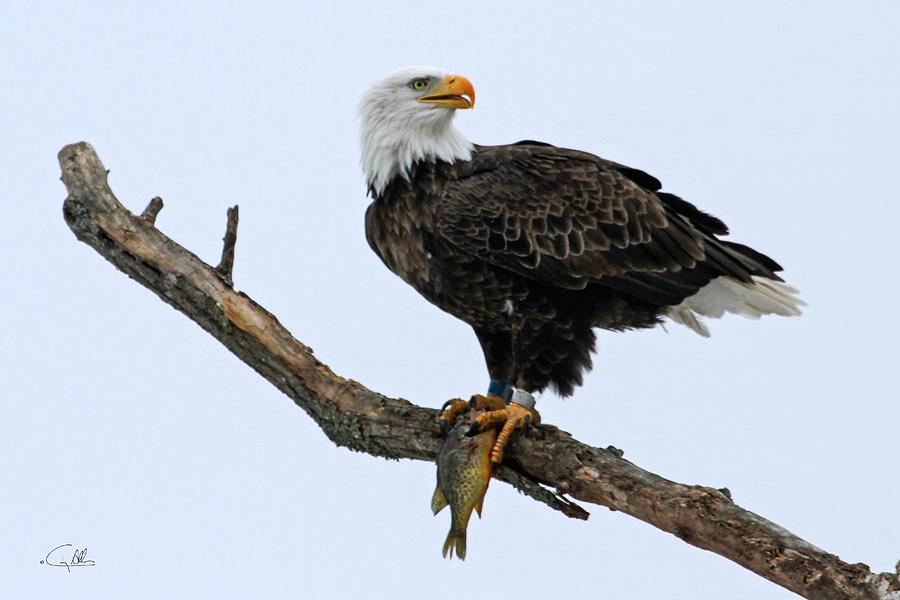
(360, 419)
(226, 265)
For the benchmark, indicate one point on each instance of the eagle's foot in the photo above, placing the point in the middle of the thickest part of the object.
(450, 411)
(455, 407)
(513, 416)
(487, 403)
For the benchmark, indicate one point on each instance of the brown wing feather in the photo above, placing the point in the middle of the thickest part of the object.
(564, 217)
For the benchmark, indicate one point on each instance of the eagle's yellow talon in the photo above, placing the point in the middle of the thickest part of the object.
(487, 403)
(513, 416)
(450, 412)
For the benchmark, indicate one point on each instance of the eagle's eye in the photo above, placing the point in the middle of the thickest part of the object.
(418, 84)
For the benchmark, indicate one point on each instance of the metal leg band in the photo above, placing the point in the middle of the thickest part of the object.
(523, 399)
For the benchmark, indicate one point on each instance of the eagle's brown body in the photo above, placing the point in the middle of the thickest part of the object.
(534, 246)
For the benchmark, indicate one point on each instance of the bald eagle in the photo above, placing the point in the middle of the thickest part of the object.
(535, 246)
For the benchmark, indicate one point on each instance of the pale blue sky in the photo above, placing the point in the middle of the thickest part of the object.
(128, 430)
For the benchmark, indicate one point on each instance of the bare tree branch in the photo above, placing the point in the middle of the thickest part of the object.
(535, 490)
(366, 421)
(226, 265)
(155, 205)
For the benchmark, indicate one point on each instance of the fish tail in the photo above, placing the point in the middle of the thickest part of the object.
(456, 540)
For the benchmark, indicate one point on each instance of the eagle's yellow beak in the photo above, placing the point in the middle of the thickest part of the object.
(455, 92)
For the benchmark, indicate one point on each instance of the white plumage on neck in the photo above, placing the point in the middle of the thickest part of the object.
(396, 130)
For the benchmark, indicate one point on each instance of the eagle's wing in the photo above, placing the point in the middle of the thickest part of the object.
(569, 218)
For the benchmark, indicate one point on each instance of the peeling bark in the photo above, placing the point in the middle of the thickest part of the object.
(365, 421)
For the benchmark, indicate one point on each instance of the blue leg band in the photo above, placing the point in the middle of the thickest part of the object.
(501, 389)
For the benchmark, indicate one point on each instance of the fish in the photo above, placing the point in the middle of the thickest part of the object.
(463, 473)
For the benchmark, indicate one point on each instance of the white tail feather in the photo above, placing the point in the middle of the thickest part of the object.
(724, 294)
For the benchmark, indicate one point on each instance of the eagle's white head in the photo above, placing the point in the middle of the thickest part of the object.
(407, 117)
